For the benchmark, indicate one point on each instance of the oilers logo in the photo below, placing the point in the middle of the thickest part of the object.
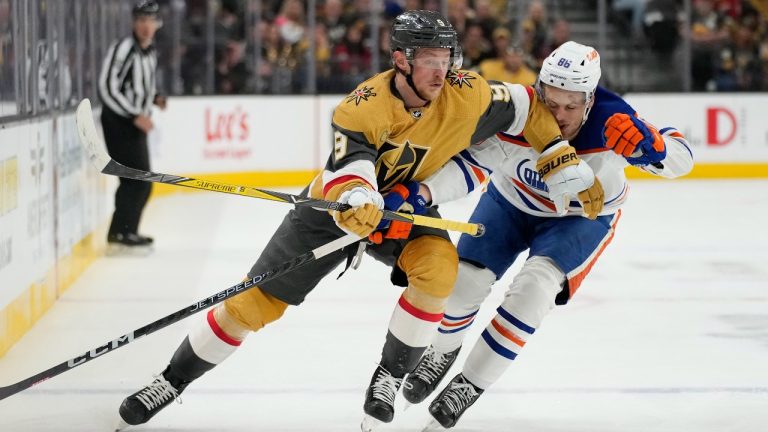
(528, 175)
(398, 163)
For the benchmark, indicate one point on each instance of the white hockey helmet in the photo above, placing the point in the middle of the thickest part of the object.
(573, 67)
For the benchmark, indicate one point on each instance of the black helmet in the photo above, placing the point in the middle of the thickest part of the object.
(424, 29)
(145, 7)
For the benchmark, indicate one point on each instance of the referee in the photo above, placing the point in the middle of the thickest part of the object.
(127, 91)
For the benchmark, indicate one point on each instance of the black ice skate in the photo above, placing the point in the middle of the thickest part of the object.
(141, 406)
(428, 373)
(451, 403)
(379, 404)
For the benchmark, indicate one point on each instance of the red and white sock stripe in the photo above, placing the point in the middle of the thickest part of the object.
(413, 326)
(210, 342)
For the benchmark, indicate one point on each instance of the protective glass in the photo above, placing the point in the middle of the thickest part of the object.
(438, 62)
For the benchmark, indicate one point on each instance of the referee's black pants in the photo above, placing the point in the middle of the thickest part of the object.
(127, 145)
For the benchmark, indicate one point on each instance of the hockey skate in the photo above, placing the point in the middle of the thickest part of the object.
(141, 406)
(379, 404)
(428, 373)
(451, 403)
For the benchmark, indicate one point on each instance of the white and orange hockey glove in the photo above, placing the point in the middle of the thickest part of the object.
(639, 142)
(568, 176)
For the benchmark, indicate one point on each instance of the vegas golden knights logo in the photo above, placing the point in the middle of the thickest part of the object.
(398, 163)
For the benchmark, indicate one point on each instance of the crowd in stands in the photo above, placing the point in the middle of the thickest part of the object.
(729, 41)
(500, 39)
(344, 54)
(729, 45)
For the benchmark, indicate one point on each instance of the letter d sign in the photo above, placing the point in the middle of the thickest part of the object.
(721, 126)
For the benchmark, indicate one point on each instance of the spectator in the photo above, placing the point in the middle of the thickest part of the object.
(509, 68)
(193, 70)
(535, 30)
(291, 26)
(323, 49)
(501, 40)
(708, 34)
(352, 58)
(560, 34)
(332, 18)
(229, 25)
(460, 15)
(740, 68)
(232, 75)
(476, 48)
(486, 17)
(280, 61)
(636, 11)
(290, 21)
(661, 26)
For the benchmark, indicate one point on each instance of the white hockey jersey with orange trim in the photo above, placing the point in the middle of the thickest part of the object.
(512, 162)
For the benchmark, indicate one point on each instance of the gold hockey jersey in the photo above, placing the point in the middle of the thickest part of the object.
(379, 142)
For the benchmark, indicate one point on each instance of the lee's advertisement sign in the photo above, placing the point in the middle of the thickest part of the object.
(722, 128)
(235, 134)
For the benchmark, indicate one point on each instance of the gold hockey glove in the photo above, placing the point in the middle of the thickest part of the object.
(568, 176)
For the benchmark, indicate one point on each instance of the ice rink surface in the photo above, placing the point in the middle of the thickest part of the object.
(668, 333)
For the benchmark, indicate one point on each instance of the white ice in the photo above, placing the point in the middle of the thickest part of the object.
(668, 333)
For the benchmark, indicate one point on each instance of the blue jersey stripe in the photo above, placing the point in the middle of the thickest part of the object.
(465, 154)
(526, 201)
(467, 177)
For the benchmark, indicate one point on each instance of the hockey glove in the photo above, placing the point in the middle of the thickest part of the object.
(568, 176)
(639, 142)
(403, 197)
(365, 213)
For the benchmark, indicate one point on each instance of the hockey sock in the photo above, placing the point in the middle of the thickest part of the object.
(411, 330)
(498, 346)
(206, 346)
(473, 284)
(528, 300)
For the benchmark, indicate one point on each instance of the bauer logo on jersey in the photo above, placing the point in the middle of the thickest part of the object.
(361, 94)
(459, 78)
(398, 163)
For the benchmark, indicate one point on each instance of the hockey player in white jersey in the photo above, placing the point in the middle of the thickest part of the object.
(526, 209)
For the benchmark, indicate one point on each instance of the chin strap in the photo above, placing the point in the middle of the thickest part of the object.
(409, 80)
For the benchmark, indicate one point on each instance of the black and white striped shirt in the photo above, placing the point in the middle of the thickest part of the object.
(127, 81)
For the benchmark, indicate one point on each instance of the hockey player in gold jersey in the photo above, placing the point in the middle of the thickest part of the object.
(393, 140)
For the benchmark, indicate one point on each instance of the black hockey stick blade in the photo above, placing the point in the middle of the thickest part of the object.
(98, 155)
(177, 316)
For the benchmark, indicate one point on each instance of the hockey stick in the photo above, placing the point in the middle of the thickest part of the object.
(179, 315)
(97, 153)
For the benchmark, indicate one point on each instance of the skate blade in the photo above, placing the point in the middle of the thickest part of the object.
(119, 250)
(433, 426)
(369, 424)
(121, 425)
